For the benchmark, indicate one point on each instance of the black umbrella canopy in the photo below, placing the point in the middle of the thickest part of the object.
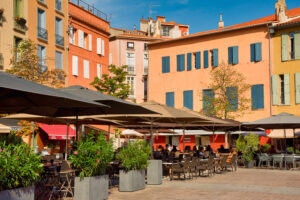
(118, 106)
(21, 96)
(280, 121)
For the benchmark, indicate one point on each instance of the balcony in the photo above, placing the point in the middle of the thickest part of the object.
(42, 33)
(130, 69)
(59, 40)
(20, 24)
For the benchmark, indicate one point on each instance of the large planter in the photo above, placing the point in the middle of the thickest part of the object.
(249, 164)
(26, 193)
(154, 172)
(132, 180)
(91, 188)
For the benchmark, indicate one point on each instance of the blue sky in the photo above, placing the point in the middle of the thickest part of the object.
(201, 15)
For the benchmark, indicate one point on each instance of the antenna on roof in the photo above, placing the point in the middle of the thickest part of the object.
(150, 9)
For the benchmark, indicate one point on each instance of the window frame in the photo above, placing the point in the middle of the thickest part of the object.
(128, 45)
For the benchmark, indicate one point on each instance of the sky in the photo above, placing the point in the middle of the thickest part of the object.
(201, 15)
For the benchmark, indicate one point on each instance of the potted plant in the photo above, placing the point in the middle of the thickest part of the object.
(19, 170)
(91, 159)
(248, 145)
(134, 159)
(20, 20)
(265, 148)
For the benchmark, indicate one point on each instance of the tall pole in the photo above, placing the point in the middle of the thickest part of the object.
(183, 139)
(294, 146)
(108, 132)
(67, 139)
(151, 138)
(213, 138)
(77, 127)
(284, 140)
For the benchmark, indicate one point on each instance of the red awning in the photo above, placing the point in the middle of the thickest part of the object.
(57, 132)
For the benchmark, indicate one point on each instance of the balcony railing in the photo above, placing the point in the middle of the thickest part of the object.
(90, 8)
(20, 24)
(130, 69)
(58, 5)
(146, 70)
(42, 33)
(59, 40)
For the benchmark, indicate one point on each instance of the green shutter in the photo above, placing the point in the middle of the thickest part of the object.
(235, 55)
(198, 60)
(216, 57)
(230, 55)
(182, 62)
(257, 52)
(284, 47)
(297, 45)
(178, 63)
(168, 64)
(205, 55)
(287, 89)
(163, 64)
(297, 87)
(275, 89)
(189, 61)
(252, 52)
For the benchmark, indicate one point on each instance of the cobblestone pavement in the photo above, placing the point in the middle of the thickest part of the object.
(245, 184)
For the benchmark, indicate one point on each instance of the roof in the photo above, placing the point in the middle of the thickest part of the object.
(173, 23)
(257, 22)
(290, 22)
(122, 29)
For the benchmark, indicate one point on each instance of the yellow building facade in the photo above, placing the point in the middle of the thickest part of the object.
(286, 67)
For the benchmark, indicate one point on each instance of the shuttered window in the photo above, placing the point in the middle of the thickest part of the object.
(297, 87)
(275, 90)
(198, 60)
(286, 89)
(257, 97)
(170, 99)
(284, 47)
(215, 58)
(232, 98)
(99, 71)
(205, 58)
(207, 102)
(189, 61)
(297, 45)
(86, 69)
(81, 38)
(75, 65)
(166, 64)
(99, 48)
(233, 55)
(281, 89)
(188, 99)
(255, 51)
(90, 42)
(103, 48)
(58, 60)
(180, 63)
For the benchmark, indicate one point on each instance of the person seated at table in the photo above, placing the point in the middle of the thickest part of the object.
(167, 147)
(221, 149)
(187, 148)
(195, 152)
(156, 154)
(174, 149)
(272, 150)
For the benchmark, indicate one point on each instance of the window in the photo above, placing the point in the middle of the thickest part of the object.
(146, 63)
(18, 8)
(110, 58)
(99, 46)
(86, 69)
(99, 71)
(292, 46)
(58, 5)
(188, 99)
(131, 83)
(75, 65)
(207, 101)
(90, 42)
(130, 45)
(145, 46)
(103, 48)
(281, 89)
(180, 63)
(166, 31)
(257, 97)
(72, 36)
(214, 57)
(85, 40)
(205, 58)
(58, 60)
(16, 44)
(130, 62)
(145, 88)
(197, 59)
(189, 61)
(255, 52)
(170, 99)
(297, 87)
(41, 52)
(233, 55)
(41, 20)
(43, 1)
(289, 46)
(232, 98)
(59, 39)
(166, 64)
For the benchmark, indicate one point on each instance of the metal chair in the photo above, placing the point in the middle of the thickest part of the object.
(277, 159)
(263, 158)
(290, 159)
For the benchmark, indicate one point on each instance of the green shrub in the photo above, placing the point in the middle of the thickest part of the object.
(291, 150)
(19, 166)
(247, 145)
(135, 155)
(93, 155)
(11, 138)
(265, 148)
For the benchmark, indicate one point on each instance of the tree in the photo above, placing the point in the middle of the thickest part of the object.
(228, 97)
(114, 83)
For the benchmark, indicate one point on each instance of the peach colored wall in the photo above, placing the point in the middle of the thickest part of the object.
(82, 20)
(118, 49)
(197, 80)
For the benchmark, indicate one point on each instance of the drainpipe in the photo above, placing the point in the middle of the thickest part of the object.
(67, 78)
(270, 70)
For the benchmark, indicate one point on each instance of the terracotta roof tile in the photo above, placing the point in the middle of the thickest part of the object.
(296, 20)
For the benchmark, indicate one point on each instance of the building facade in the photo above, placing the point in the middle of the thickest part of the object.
(88, 44)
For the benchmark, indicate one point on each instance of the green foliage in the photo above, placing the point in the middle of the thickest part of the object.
(247, 145)
(114, 83)
(93, 155)
(19, 166)
(265, 148)
(291, 150)
(135, 155)
(12, 138)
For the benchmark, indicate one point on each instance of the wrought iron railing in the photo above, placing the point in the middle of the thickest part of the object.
(90, 8)
(42, 33)
(58, 5)
(59, 40)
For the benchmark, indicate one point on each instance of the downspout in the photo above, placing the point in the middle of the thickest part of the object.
(270, 71)
(67, 78)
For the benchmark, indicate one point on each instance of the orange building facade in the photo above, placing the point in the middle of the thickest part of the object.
(88, 44)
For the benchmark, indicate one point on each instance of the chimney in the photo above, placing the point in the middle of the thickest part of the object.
(221, 22)
(280, 11)
(134, 27)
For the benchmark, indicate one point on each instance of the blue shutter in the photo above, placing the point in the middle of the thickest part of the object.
(163, 64)
(252, 47)
(189, 61)
(167, 64)
(188, 99)
(207, 96)
(230, 55)
(182, 62)
(257, 97)
(205, 54)
(216, 57)
(232, 98)
(235, 55)
(257, 52)
(170, 99)
(198, 60)
(178, 63)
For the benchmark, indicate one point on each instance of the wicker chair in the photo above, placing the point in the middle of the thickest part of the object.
(232, 163)
(180, 168)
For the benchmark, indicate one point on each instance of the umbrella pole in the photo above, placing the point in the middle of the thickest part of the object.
(77, 127)
(67, 139)
(183, 149)
(294, 149)
(214, 139)
(284, 140)
(108, 132)
(151, 138)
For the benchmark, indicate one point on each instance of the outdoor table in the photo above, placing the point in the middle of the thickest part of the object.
(169, 165)
(49, 164)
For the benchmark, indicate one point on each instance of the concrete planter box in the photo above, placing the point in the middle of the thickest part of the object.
(132, 180)
(26, 193)
(91, 188)
(154, 172)
(249, 164)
